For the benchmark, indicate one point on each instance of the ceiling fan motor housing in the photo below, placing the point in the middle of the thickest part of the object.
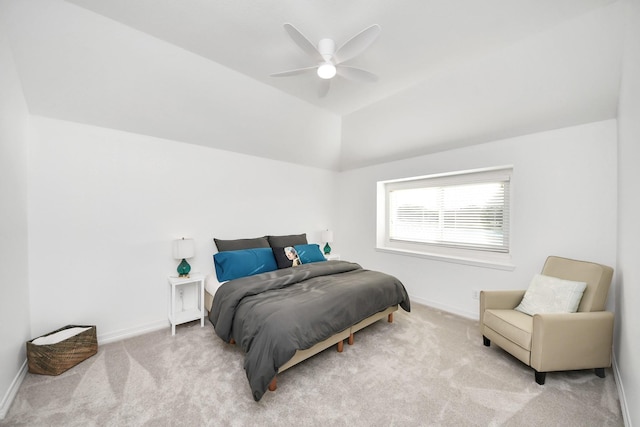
(327, 48)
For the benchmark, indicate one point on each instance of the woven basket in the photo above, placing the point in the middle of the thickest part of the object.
(54, 359)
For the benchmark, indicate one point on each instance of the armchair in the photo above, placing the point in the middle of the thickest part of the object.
(554, 341)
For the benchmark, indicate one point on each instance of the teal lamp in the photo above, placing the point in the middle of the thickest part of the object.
(183, 249)
(327, 237)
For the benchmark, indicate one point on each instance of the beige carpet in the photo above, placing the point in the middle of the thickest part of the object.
(426, 368)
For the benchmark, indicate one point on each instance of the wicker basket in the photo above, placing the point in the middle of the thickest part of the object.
(54, 359)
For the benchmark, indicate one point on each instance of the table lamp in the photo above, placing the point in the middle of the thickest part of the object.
(183, 249)
(327, 236)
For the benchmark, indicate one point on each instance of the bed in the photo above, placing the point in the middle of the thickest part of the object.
(283, 316)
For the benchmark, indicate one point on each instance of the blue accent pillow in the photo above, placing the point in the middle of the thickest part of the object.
(245, 262)
(309, 253)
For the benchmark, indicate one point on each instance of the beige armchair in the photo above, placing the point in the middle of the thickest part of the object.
(558, 341)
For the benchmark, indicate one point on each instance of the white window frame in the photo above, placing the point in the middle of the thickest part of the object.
(476, 257)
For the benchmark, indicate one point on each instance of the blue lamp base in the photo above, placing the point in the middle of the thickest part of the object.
(327, 249)
(184, 268)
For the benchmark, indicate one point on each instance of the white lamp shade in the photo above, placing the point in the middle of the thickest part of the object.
(183, 248)
(327, 236)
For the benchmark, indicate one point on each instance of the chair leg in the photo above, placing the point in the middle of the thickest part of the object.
(540, 377)
(600, 372)
(486, 341)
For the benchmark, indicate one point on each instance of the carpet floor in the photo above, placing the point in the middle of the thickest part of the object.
(427, 368)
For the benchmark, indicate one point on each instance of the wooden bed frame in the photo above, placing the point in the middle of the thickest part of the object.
(337, 339)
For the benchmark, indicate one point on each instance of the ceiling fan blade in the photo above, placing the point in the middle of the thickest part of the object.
(303, 42)
(358, 74)
(293, 72)
(357, 44)
(324, 87)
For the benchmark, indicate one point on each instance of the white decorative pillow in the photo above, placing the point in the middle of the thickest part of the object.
(548, 294)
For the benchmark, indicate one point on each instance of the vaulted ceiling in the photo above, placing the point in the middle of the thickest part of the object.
(451, 73)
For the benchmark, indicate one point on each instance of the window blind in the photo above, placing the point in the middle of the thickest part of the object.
(454, 213)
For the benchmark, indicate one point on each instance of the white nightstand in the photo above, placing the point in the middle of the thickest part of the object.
(181, 310)
(332, 257)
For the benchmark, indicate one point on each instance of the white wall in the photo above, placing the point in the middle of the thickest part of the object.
(105, 205)
(14, 283)
(564, 203)
(627, 339)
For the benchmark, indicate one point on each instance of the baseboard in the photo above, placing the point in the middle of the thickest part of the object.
(132, 332)
(626, 416)
(10, 395)
(444, 307)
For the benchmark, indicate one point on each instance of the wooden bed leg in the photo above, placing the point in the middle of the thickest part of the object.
(340, 346)
(232, 341)
(390, 318)
(273, 384)
(350, 339)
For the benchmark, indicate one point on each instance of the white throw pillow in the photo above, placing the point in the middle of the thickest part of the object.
(548, 294)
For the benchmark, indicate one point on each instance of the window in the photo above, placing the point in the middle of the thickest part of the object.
(463, 215)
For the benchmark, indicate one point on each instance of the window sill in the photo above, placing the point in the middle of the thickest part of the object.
(457, 259)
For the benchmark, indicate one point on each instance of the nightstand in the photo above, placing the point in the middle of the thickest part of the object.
(186, 300)
(332, 257)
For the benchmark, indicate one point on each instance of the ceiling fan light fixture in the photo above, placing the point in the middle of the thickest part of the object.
(327, 71)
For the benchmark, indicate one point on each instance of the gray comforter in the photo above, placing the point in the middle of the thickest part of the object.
(271, 315)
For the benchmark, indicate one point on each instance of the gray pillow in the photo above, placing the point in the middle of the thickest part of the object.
(289, 240)
(239, 244)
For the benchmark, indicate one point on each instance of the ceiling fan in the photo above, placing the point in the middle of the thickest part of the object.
(330, 62)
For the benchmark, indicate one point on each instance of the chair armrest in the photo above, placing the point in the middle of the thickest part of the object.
(508, 299)
(569, 341)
